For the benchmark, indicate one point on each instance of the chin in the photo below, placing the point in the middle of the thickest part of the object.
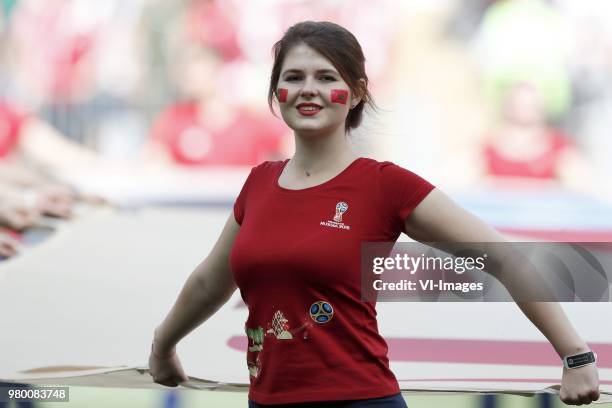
(311, 130)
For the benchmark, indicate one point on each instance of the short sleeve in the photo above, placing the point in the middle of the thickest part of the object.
(401, 190)
(241, 201)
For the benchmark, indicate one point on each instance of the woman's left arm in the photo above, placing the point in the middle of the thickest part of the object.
(438, 219)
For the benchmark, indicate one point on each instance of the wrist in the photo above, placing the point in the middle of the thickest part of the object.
(576, 348)
(580, 359)
(159, 349)
(161, 353)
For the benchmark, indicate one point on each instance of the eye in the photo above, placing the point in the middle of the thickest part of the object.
(292, 78)
(328, 78)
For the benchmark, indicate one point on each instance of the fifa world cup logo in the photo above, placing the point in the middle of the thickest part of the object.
(341, 208)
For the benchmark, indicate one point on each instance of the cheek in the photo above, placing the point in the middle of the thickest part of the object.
(282, 94)
(339, 96)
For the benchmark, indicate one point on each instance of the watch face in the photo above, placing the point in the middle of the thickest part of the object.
(580, 359)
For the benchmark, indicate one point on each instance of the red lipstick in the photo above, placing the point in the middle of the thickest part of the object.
(308, 109)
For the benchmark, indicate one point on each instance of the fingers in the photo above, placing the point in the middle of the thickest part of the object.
(62, 206)
(566, 399)
(580, 399)
(92, 199)
(57, 190)
(58, 210)
(64, 192)
(21, 218)
(183, 378)
(55, 206)
(7, 252)
(55, 201)
(8, 246)
(167, 370)
(170, 382)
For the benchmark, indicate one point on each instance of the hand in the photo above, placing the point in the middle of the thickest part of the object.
(8, 246)
(55, 199)
(166, 368)
(17, 217)
(93, 199)
(65, 194)
(580, 385)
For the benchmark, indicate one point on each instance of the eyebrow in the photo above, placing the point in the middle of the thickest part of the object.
(319, 71)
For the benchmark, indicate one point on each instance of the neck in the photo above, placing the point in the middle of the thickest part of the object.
(315, 154)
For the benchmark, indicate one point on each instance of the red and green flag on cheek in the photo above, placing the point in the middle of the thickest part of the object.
(282, 95)
(339, 96)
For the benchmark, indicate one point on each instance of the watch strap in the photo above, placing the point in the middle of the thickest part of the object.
(579, 360)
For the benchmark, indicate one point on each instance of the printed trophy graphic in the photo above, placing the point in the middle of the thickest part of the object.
(341, 208)
(280, 326)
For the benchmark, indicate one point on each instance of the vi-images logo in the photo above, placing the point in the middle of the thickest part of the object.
(341, 208)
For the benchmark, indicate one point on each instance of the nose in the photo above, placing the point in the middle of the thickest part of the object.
(309, 89)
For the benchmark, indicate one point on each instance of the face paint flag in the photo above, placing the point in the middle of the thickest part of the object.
(282, 95)
(339, 96)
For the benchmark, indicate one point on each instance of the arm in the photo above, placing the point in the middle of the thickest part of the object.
(17, 209)
(210, 285)
(22, 184)
(20, 175)
(438, 219)
(44, 146)
(8, 246)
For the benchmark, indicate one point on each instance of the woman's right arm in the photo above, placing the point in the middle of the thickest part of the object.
(210, 285)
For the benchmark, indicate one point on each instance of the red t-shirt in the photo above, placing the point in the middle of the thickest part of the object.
(246, 140)
(299, 247)
(11, 122)
(544, 166)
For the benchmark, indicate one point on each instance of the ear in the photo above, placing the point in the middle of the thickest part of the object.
(359, 93)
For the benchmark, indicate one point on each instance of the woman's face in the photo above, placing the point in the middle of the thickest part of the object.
(312, 95)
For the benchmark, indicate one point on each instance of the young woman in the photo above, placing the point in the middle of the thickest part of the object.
(292, 246)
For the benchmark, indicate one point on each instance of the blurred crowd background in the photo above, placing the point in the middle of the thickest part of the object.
(471, 93)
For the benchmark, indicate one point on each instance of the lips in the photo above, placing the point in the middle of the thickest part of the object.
(309, 109)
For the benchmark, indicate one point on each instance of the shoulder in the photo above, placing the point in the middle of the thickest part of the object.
(269, 166)
(395, 183)
(266, 170)
(387, 170)
(400, 184)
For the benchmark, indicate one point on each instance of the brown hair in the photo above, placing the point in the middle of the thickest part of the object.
(340, 47)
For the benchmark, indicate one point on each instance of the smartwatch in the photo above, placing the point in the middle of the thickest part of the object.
(579, 360)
